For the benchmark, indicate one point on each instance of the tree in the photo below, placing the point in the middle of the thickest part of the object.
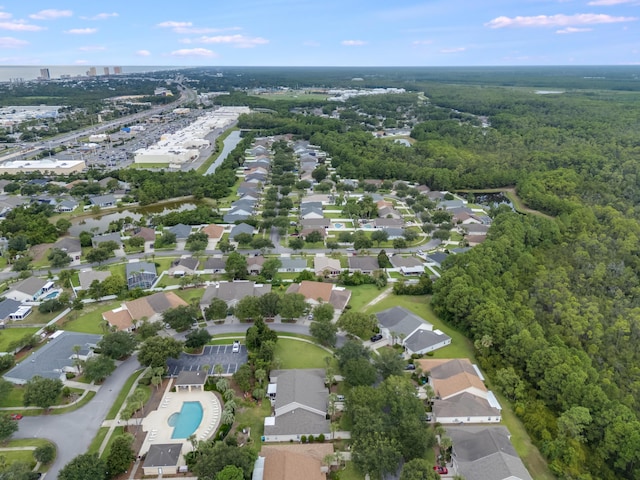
(8, 427)
(324, 332)
(58, 258)
(155, 351)
(323, 312)
(320, 173)
(418, 469)
(243, 238)
(379, 236)
(98, 255)
(409, 235)
(165, 240)
(87, 466)
(85, 238)
(148, 329)
(293, 305)
(242, 377)
(376, 454)
(296, 243)
(197, 242)
(388, 363)
(248, 308)
(260, 243)
(357, 323)
(230, 472)
(225, 246)
(121, 455)
(217, 310)
(197, 338)
(270, 267)
(136, 242)
(236, 266)
(258, 334)
(45, 453)
(114, 285)
(383, 260)
(212, 458)
(99, 367)
(64, 277)
(313, 237)
(117, 345)
(42, 392)
(399, 243)
(181, 317)
(269, 304)
(359, 371)
(361, 241)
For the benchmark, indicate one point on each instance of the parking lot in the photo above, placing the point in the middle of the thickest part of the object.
(212, 355)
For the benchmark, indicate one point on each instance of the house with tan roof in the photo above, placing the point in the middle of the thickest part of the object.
(318, 292)
(292, 462)
(150, 308)
(326, 267)
(213, 231)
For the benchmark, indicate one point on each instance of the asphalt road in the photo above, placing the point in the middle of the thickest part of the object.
(73, 432)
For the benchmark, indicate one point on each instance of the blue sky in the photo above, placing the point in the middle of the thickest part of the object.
(314, 32)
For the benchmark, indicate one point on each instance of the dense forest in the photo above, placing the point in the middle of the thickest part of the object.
(552, 304)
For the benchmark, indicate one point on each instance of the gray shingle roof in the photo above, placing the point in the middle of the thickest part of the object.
(30, 285)
(241, 228)
(363, 263)
(293, 263)
(163, 455)
(68, 244)
(400, 320)
(7, 307)
(400, 261)
(107, 237)
(233, 291)
(423, 339)
(464, 405)
(181, 230)
(136, 267)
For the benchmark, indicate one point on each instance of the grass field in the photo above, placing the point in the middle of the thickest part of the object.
(89, 319)
(296, 354)
(253, 418)
(14, 399)
(24, 456)
(190, 294)
(9, 335)
(122, 395)
(362, 295)
(98, 439)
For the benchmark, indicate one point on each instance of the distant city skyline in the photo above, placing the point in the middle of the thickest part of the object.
(330, 33)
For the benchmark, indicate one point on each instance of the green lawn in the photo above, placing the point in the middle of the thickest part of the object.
(122, 395)
(362, 295)
(98, 439)
(89, 319)
(296, 354)
(37, 318)
(253, 418)
(8, 335)
(118, 431)
(12, 456)
(190, 294)
(333, 215)
(14, 399)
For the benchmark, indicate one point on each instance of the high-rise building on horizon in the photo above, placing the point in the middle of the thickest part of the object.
(91, 72)
(117, 70)
(44, 74)
(106, 71)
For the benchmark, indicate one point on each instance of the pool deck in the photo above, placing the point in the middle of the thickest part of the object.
(156, 423)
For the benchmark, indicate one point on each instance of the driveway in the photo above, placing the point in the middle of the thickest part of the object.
(73, 432)
(211, 355)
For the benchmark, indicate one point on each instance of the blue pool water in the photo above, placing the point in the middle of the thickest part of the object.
(187, 420)
(51, 295)
(338, 225)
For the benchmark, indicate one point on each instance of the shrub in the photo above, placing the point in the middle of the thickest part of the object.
(321, 438)
(303, 439)
(311, 439)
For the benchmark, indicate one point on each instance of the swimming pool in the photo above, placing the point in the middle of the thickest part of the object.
(367, 226)
(338, 225)
(187, 420)
(53, 294)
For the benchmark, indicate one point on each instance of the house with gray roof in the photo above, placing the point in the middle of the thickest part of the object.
(467, 408)
(293, 264)
(87, 277)
(141, 275)
(103, 201)
(437, 258)
(162, 459)
(29, 289)
(12, 310)
(299, 400)
(311, 210)
(184, 266)
(388, 223)
(215, 265)
(316, 223)
(241, 228)
(363, 264)
(54, 358)
(71, 246)
(248, 187)
(236, 215)
(233, 292)
(181, 231)
(485, 453)
(450, 204)
(66, 205)
(416, 335)
(107, 237)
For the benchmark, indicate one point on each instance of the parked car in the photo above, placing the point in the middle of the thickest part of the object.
(16, 416)
(236, 347)
(376, 337)
(441, 470)
(410, 366)
(340, 398)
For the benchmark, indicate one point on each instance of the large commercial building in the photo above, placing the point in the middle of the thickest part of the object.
(57, 167)
(44, 74)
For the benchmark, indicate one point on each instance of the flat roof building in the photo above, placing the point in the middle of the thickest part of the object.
(57, 167)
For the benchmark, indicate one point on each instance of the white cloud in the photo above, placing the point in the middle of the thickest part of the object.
(203, 30)
(453, 50)
(240, 41)
(353, 43)
(5, 15)
(20, 26)
(573, 30)
(143, 53)
(92, 48)
(51, 14)
(10, 42)
(101, 16)
(81, 62)
(311, 43)
(172, 24)
(81, 31)
(193, 52)
(600, 3)
(559, 20)
(421, 42)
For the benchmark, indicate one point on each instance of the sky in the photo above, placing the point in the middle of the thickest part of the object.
(320, 32)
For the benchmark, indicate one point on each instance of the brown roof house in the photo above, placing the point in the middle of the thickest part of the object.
(292, 462)
(299, 405)
(318, 292)
(150, 308)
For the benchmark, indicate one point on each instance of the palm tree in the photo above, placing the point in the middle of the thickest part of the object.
(205, 368)
(76, 361)
(218, 369)
(222, 385)
(260, 374)
(227, 417)
(228, 395)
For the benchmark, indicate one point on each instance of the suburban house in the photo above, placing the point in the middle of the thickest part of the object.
(315, 223)
(292, 462)
(299, 402)
(87, 277)
(150, 308)
(71, 246)
(318, 292)
(241, 228)
(461, 395)
(181, 231)
(311, 210)
(254, 264)
(307, 231)
(66, 205)
(388, 222)
(399, 325)
(146, 233)
(29, 289)
(389, 212)
(464, 218)
(437, 258)
(11, 310)
(475, 240)
(450, 204)
(323, 198)
(233, 292)
(326, 266)
(365, 265)
(248, 187)
(294, 265)
(407, 265)
(235, 215)
(107, 237)
(215, 265)
(140, 275)
(485, 453)
(162, 459)
(213, 231)
(475, 229)
(103, 201)
(184, 266)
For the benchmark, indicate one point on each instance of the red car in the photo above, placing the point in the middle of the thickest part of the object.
(441, 470)
(16, 416)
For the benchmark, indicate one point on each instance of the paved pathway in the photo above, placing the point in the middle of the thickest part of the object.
(73, 432)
